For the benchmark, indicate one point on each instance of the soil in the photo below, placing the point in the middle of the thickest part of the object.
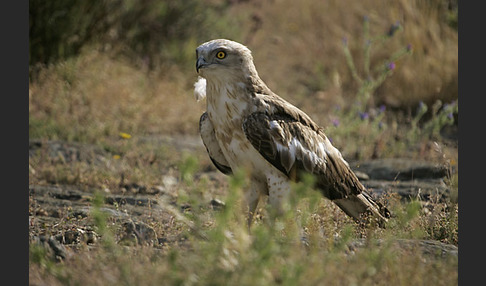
(61, 215)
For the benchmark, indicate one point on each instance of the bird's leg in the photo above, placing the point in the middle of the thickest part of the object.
(252, 196)
(278, 194)
(279, 199)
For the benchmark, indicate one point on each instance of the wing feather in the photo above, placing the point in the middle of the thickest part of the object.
(293, 143)
(214, 150)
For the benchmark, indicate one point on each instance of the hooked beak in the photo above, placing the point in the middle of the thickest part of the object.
(200, 63)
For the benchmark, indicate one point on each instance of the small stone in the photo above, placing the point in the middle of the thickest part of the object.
(139, 232)
(90, 237)
(217, 204)
(169, 181)
(59, 249)
(362, 176)
(41, 212)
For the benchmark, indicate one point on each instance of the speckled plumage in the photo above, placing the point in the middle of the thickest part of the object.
(247, 126)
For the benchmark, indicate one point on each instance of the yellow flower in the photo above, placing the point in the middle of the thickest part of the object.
(125, 135)
(116, 157)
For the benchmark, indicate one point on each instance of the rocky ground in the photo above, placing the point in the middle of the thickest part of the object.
(60, 215)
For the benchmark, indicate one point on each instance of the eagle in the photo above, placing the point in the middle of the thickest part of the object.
(247, 126)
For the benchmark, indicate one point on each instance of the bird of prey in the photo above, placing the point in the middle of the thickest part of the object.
(247, 126)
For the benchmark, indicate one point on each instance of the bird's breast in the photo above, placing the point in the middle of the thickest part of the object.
(226, 118)
(227, 114)
(226, 108)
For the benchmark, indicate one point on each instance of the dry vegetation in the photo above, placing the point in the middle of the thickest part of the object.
(131, 103)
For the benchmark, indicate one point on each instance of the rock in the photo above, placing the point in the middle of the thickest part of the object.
(393, 169)
(138, 233)
(77, 235)
(185, 207)
(430, 248)
(72, 236)
(61, 192)
(362, 176)
(57, 247)
(142, 190)
(87, 210)
(415, 189)
(131, 200)
(406, 177)
(68, 151)
(217, 204)
(90, 237)
(112, 212)
(169, 181)
(41, 212)
(52, 245)
(158, 190)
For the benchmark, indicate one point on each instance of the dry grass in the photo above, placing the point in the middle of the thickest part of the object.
(273, 254)
(94, 96)
(298, 49)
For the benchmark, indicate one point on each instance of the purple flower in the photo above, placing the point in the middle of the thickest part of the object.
(391, 66)
(422, 107)
(335, 122)
(409, 47)
(382, 108)
(364, 115)
(345, 41)
(450, 115)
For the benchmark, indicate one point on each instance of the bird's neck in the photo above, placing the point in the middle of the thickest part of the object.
(231, 95)
(227, 98)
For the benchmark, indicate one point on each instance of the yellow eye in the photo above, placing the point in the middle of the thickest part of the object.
(221, 55)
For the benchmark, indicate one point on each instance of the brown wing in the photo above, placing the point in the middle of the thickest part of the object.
(294, 144)
(214, 151)
(295, 148)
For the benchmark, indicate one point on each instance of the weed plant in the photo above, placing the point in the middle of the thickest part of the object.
(313, 243)
(372, 124)
(372, 78)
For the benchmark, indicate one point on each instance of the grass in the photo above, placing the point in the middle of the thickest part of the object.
(135, 125)
(205, 246)
(272, 254)
(93, 97)
(213, 247)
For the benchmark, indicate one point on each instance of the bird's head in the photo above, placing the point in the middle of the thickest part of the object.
(220, 58)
